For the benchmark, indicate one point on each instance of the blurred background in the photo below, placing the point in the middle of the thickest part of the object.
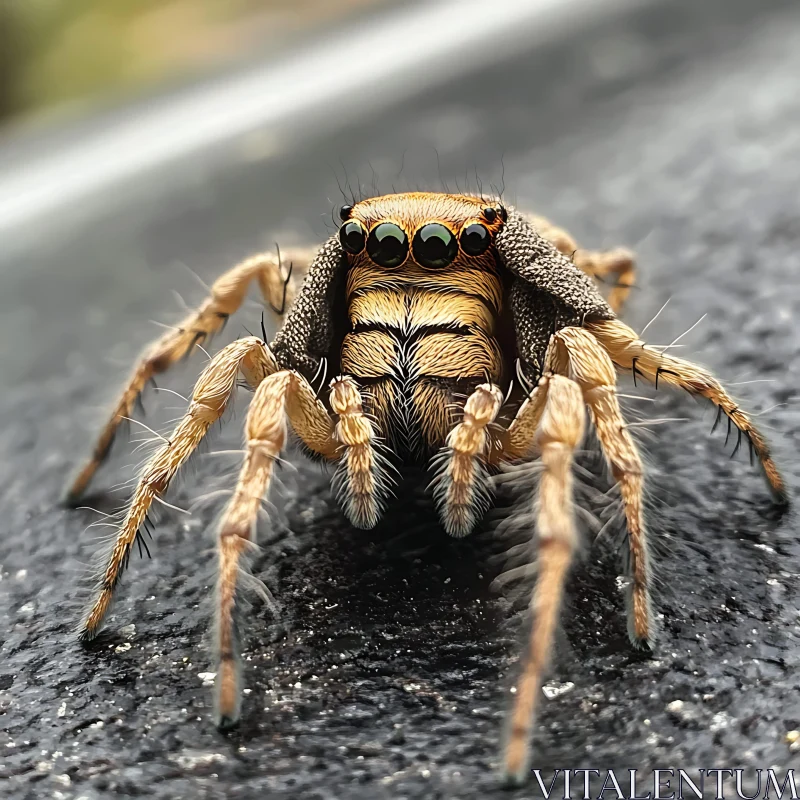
(62, 57)
(147, 146)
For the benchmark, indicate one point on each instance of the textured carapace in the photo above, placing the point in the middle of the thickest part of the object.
(459, 334)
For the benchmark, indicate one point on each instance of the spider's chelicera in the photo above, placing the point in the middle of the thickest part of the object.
(427, 307)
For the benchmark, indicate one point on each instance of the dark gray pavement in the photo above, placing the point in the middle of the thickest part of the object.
(675, 131)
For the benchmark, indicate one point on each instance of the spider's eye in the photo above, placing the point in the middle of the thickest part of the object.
(503, 213)
(353, 237)
(345, 212)
(490, 214)
(387, 245)
(475, 239)
(434, 245)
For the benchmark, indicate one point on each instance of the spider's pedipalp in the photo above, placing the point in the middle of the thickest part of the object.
(361, 479)
(628, 351)
(227, 295)
(560, 432)
(282, 397)
(461, 486)
(591, 367)
(211, 395)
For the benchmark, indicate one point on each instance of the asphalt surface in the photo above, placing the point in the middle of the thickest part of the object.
(386, 673)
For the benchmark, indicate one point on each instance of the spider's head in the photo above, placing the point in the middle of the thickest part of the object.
(421, 229)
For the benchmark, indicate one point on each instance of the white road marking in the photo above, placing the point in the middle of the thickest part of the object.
(368, 66)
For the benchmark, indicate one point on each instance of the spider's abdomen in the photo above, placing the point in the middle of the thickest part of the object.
(418, 342)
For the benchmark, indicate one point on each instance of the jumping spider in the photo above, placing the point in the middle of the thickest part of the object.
(426, 306)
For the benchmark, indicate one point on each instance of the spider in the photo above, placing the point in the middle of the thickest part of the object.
(465, 336)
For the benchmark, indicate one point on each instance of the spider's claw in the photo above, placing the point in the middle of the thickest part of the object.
(85, 636)
(223, 722)
(228, 694)
(644, 647)
(513, 778)
(69, 497)
(78, 482)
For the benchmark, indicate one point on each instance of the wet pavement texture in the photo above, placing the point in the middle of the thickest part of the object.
(387, 671)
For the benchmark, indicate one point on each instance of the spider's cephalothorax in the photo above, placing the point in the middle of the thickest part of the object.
(464, 336)
(424, 296)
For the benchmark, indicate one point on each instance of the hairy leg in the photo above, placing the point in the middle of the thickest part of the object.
(361, 481)
(618, 263)
(628, 351)
(227, 294)
(518, 439)
(282, 397)
(560, 431)
(460, 488)
(591, 367)
(211, 395)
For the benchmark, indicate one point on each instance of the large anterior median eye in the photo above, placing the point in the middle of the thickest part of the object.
(387, 245)
(434, 245)
(353, 237)
(475, 239)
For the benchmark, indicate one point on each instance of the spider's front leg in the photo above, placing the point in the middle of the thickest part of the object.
(287, 398)
(283, 397)
(580, 355)
(580, 373)
(560, 430)
(227, 295)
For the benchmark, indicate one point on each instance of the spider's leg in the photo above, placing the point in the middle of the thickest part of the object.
(628, 351)
(618, 263)
(517, 440)
(227, 294)
(461, 485)
(591, 367)
(560, 432)
(361, 481)
(281, 397)
(210, 397)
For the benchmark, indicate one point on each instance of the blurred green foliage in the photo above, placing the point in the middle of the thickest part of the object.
(58, 51)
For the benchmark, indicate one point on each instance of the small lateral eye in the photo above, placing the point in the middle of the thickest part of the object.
(490, 214)
(387, 245)
(503, 213)
(345, 212)
(353, 237)
(475, 239)
(434, 245)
